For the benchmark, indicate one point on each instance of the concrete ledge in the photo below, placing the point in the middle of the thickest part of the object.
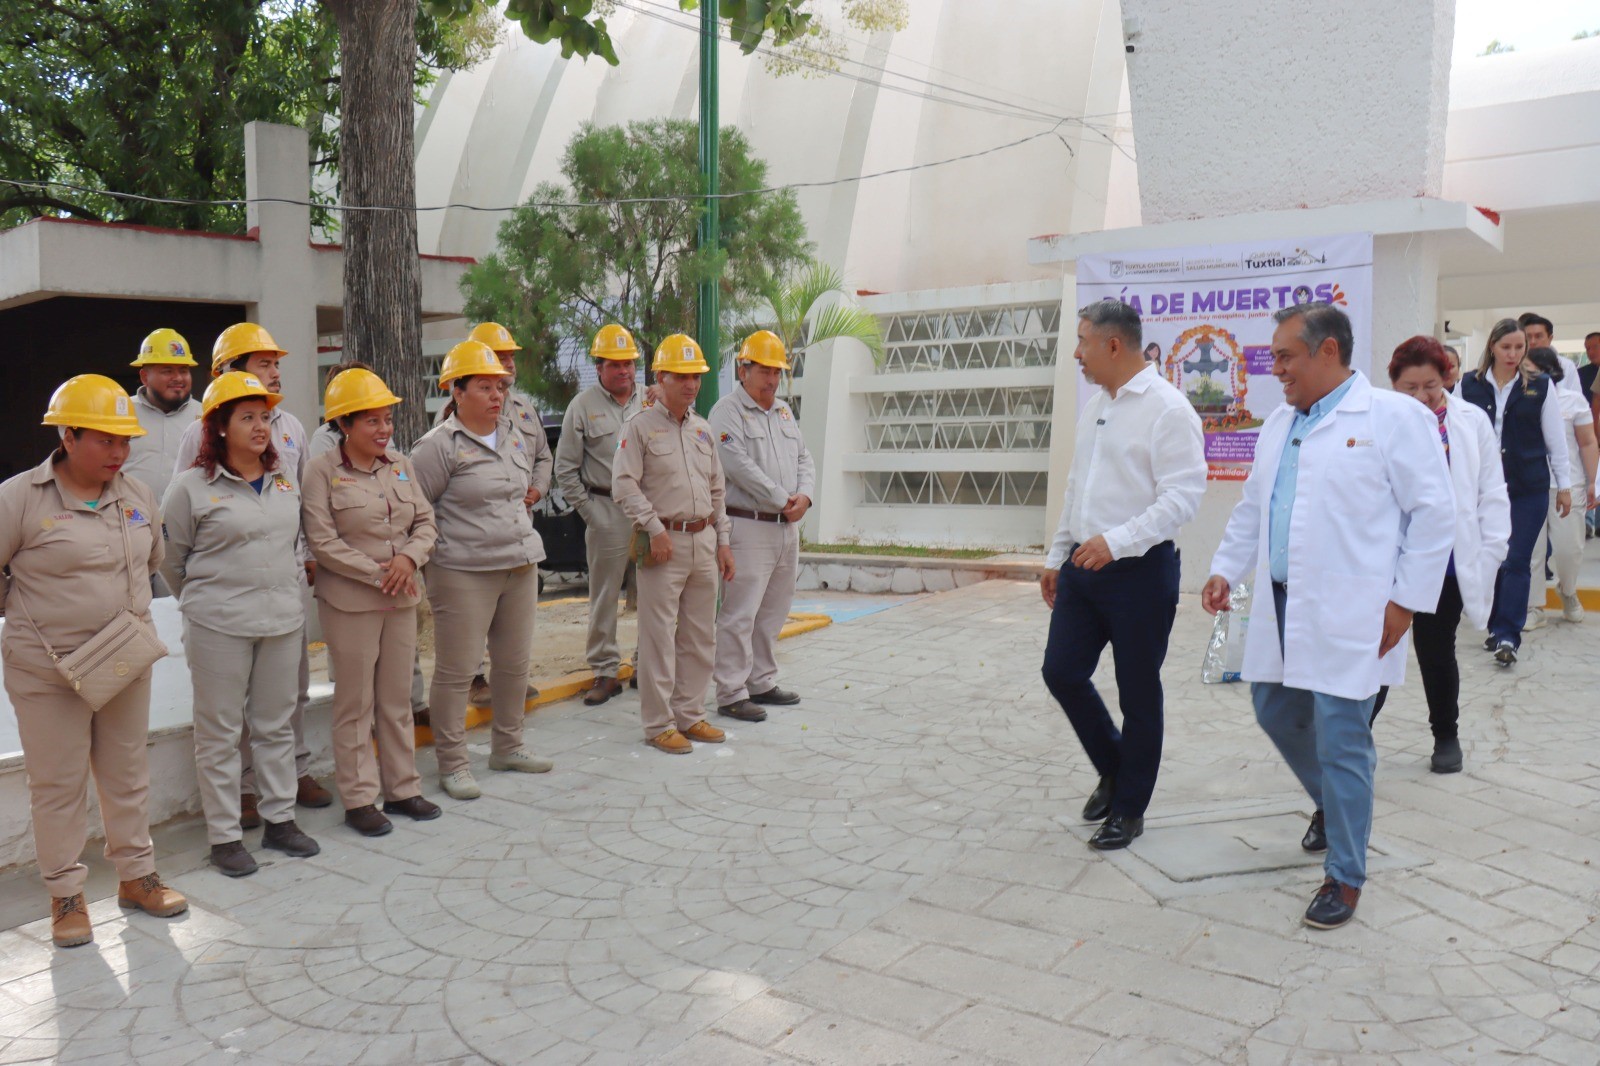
(908, 574)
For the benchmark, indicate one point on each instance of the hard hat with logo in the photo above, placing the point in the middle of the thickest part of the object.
(613, 342)
(495, 336)
(238, 340)
(164, 347)
(93, 401)
(679, 354)
(469, 359)
(236, 385)
(764, 348)
(356, 390)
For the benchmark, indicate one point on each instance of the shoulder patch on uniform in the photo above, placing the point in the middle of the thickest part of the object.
(281, 483)
(134, 515)
(725, 438)
(783, 413)
(288, 442)
(701, 434)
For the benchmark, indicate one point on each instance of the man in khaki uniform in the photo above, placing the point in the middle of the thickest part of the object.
(667, 479)
(770, 482)
(583, 471)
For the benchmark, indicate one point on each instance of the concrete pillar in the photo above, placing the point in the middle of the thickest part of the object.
(834, 423)
(278, 165)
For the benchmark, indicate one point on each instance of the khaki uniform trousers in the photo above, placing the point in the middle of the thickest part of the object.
(755, 605)
(62, 741)
(239, 681)
(677, 633)
(302, 750)
(605, 540)
(469, 607)
(372, 652)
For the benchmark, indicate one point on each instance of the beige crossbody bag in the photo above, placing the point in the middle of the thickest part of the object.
(117, 655)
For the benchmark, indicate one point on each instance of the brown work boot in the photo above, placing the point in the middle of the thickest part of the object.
(671, 741)
(421, 717)
(705, 732)
(311, 794)
(478, 694)
(367, 820)
(603, 689)
(150, 895)
(69, 921)
(249, 811)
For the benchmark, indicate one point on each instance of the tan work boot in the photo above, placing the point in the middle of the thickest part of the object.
(705, 732)
(671, 741)
(478, 694)
(150, 895)
(69, 921)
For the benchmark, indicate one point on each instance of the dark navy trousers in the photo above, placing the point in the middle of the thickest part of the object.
(1130, 604)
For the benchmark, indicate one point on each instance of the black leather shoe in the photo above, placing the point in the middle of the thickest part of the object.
(1491, 643)
(1446, 756)
(744, 711)
(232, 859)
(414, 807)
(367, 821)
(1316, 838)
(287, 838)
(1117, 832)
(1099, 804)
(1333, 905)
(776, 697)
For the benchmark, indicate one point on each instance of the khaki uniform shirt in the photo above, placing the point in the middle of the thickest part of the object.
(232, 554)
(477, 492)
(589, 441)
(324, 439)
(762, 452)
(68, 561)
(668, 470)
(355, 520)
(151, 458)
(288, 436)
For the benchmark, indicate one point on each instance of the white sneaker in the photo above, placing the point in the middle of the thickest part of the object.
(461, 785)
(1535, 620)
(521, 761)
(1571, 608)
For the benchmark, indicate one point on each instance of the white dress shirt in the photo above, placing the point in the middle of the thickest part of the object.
(1138, 472)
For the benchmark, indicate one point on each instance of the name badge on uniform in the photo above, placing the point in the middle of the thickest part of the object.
(701, 434)
(135, 516)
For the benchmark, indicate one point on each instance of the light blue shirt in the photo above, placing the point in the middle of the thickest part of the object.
(1283, 489)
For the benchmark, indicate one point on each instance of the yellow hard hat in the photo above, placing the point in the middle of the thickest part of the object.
(613, 342)
(495, 336)
(356, 390)
(764, 348)
(469, 359)
(93, 401)
(164, 347)
(236, 385)
(679, 354)
(240, 339)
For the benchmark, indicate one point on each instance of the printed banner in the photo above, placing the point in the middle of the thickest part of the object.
(1207, 314)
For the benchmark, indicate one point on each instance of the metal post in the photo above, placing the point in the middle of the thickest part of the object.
(707, 326)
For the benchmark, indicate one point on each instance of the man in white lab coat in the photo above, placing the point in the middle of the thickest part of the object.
(1346, 525)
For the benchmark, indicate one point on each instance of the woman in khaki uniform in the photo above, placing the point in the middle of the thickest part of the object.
(483, 579)
(233, 561)
(79, 538)
(370, 528)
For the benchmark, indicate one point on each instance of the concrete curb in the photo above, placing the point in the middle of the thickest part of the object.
(907, 574)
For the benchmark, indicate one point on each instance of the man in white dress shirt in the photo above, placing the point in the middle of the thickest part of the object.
(1138, 473)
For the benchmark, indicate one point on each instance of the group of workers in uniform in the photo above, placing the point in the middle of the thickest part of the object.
(226, 505)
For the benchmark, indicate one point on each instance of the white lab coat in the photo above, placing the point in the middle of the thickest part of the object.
(1483, 510)
(1373, 522)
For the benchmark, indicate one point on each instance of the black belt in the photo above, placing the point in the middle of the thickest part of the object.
(1281, 587)
(595, 490)
(754, 516)
(694, 525)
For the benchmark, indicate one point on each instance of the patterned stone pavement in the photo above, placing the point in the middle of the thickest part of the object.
(892, 873)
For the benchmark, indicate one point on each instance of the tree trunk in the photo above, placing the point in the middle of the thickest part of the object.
(382, 274)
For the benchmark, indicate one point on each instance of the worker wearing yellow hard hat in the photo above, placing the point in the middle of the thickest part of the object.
(371, 528)
(480, 474)
(668, 480)
(164, 406)
(583, 471)
(87, 539)
(770, 483)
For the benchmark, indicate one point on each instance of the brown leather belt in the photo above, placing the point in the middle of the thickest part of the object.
(755, 516)
(595, 490)
(693, 526)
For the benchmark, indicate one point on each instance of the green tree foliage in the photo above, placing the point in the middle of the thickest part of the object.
(1497, 47)
(560, 273)
(792, 307)
(151, 97)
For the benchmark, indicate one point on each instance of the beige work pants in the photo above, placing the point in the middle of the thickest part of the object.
(372, 652)
(302, 750)
(239, 681)
(469, 607)
(677, 633)
(755, 604)
(62, 742)
(605, 539)
(1565, 538)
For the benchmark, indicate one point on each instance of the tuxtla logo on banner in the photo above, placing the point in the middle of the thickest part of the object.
(1207, 315)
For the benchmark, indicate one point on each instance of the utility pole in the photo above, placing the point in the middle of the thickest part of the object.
(707, 326)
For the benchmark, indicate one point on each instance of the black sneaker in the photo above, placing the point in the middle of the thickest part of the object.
(1316, 838)
(1505, 653)
(287, 838)
(232, 859)
(1490, 643)
(1446, 756)
(1333, 905)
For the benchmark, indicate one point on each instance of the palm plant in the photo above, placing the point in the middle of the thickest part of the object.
(789, 308)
